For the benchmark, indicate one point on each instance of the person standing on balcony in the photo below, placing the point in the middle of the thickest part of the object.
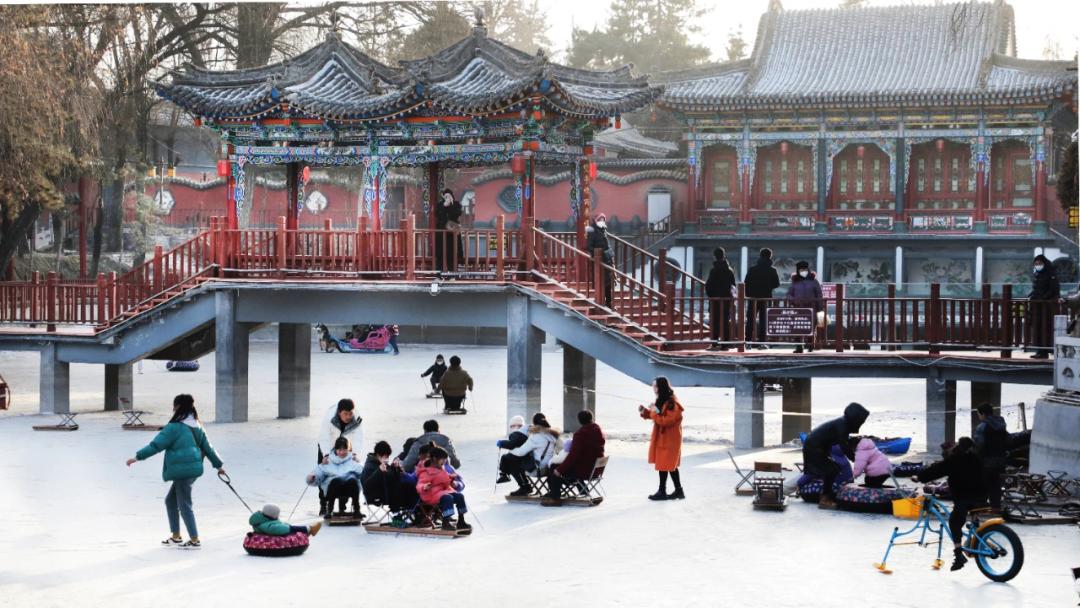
(720, 288)
(596, 238)
(805, 292)
(1045, 293)
(448, 247)
(761, 279)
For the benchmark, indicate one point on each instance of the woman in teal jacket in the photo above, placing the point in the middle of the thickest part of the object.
(185, 445)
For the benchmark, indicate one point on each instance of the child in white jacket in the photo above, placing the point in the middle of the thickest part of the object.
(537, 451)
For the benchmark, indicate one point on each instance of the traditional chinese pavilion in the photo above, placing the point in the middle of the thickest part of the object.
(478, 102)
(861, 131)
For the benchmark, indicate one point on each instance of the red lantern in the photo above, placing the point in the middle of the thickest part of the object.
(783, 148)
(860, 151)
(517, 164)
(592, 170)
(223, 168)
(307, 173)
(618, 122)
(198, 121)
(940, 145)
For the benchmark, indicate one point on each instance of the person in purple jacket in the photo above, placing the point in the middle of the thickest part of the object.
(805, 292)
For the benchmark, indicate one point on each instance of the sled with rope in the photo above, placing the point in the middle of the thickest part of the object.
(422, 520)
(377, 341)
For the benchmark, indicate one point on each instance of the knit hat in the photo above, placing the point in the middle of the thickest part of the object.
(517, 421)
(271, 511)
(600, 217)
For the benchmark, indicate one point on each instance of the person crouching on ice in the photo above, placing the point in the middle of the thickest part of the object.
(436, 372)
(436, 488)
(266, 522)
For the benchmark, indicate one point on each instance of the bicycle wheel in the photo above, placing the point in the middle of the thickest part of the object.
(1008, 555)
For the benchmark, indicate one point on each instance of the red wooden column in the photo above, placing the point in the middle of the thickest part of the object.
(376, 205)
(982, 202)
(84, 204)
(433, 196)
(1040, 186)
(232, 221)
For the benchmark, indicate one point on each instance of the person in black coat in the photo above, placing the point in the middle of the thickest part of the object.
(596, 238)
(964, 469)
(448, 246)
(816, 458)
(720, 284)
(1045, 293)
(761, 279)
(436, 372)
(991, 439)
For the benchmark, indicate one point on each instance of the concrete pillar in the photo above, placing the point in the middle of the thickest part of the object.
(940, 413)
(579, 386)
(978, 267)
(899, 278)
(984, 392)
(796, 408)
(749, 416)
(230, 361)
(523, 349)
(55, 383)
(820, 263)
(294, 370)
(119, 388)
(744, 261)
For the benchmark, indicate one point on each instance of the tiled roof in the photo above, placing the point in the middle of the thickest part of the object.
(477, 75)
(912, 54)
(628, 141)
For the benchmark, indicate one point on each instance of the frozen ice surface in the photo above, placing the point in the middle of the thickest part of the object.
(77, 528)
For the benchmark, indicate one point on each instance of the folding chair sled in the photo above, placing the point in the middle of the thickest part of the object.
(421, 520)
(461, 411)
(769, 486)
(578, 493)
(67, 423)
(133, 418)
(745, 479)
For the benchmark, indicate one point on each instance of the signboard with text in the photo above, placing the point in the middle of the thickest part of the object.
(828, 291)
(789, 321)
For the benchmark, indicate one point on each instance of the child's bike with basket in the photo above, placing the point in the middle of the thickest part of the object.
(994, 546)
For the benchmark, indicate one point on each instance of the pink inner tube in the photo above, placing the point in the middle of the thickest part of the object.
(265, 545)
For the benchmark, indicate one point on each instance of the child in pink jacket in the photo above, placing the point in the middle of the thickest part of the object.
(870, 460)
(436, 488)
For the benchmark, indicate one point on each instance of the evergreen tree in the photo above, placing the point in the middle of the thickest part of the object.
(521, 24)
(654, 35)
(736, 44)
(442, 27)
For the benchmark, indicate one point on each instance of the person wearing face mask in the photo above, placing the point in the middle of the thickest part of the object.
(1045, 293)
(805, 292)
(448, 249)
(596, 238)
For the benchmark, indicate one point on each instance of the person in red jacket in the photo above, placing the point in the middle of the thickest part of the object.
(586, 447)
(436, 487)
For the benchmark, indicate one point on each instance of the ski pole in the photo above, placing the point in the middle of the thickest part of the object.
(224, 477)
(298, 502)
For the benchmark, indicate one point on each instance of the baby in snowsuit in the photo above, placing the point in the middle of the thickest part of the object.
(266, 522)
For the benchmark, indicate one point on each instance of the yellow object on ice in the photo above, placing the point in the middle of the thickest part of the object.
(907, 508)
(882, 569)
(937, 564)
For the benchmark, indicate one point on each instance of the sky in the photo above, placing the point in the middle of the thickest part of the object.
(1037, 21)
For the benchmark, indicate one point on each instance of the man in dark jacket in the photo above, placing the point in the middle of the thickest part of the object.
(761, 279)
(431, 435)
(965, 476)
(1042, 303)
(720, 284)
(382, 483)
(816, 458)
(586, 446)
(596, 238)
(805, 292)
(991, 443)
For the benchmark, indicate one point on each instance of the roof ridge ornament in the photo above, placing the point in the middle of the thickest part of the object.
(478, 16)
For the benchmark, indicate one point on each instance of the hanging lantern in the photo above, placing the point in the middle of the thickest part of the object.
(431, 142)
(307, 173)
(592, 170)
(172, 172)
(860, 151)
(517, 164)
(618, 122)
(940, 145)
(223, 168)
(151, 172)
(198, 121)
(783, 148)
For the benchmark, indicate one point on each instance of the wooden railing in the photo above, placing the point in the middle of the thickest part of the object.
(647, 294)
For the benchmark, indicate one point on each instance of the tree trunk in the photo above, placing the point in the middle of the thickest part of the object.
(254, 33)
(99, 230)
(113, 202)
(15, 231)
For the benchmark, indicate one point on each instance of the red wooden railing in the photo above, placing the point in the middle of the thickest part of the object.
(651, 298)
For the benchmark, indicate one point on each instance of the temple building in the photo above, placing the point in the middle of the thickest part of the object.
(903, 144)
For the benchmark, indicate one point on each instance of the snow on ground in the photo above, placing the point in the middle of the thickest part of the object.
(77, 528)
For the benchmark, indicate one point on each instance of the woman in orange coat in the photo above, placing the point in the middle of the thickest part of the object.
(665, 446)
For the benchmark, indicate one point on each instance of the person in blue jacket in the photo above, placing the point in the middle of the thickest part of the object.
(185, 444)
